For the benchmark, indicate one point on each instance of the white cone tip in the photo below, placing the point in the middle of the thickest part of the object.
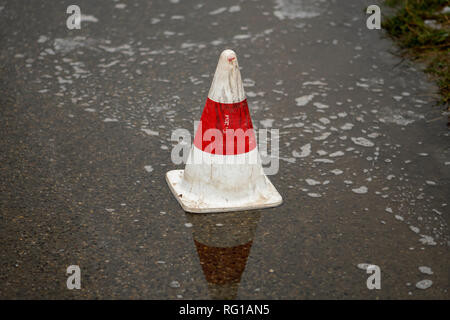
(227, 84)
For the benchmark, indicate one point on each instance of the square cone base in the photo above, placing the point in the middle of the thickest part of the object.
(174, 179)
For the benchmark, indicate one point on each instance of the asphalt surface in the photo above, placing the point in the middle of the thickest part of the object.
(86, 123)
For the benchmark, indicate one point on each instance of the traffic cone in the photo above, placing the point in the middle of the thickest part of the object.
(223, 170)
(223, 243)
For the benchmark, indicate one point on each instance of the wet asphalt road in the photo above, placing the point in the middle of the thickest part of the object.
(85, 127)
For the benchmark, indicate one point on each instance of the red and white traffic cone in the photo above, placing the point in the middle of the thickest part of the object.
(223, 170)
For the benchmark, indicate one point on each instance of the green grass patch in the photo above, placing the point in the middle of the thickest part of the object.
(422, 29)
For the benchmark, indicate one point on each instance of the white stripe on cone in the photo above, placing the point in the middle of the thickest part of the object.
(222, 183)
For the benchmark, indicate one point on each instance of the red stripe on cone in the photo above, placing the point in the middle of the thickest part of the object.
(233, 123)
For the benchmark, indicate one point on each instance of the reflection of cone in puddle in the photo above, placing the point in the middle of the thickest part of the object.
(223, 243)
